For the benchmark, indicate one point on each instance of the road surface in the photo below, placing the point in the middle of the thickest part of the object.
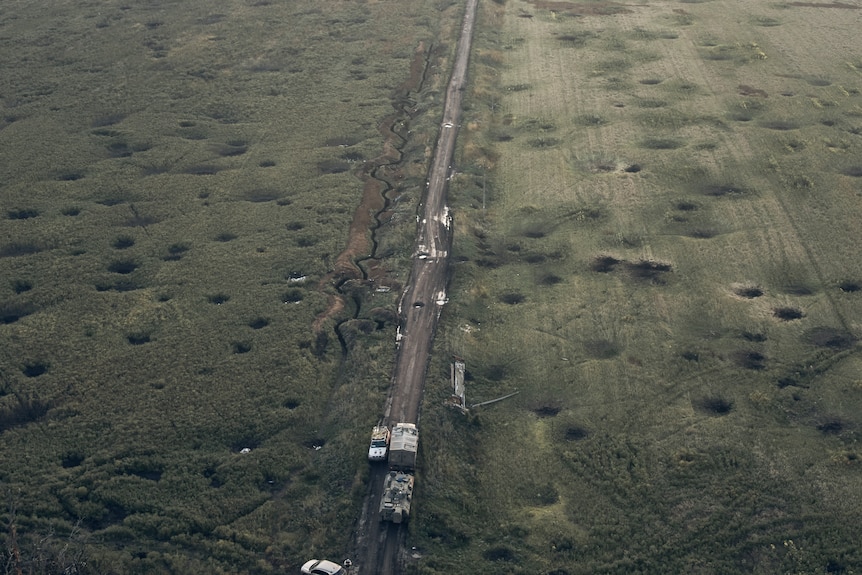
(379, 546)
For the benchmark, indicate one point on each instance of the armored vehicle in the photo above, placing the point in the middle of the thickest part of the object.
(402, 447)
(397, 496)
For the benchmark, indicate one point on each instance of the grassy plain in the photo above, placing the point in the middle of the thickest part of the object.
(176, 181)
(657, 221)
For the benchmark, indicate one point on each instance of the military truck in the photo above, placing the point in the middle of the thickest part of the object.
(379, 443)
(402, 447)
(397, 496)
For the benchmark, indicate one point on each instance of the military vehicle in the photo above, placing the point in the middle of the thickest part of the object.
(379, 443)
(402, 447)
(397, 496)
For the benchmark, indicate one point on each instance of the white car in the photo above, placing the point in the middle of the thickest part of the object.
(379, 443)
(323, 567)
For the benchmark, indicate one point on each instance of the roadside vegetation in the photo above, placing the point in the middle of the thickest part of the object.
(178, 390)
(655, 211)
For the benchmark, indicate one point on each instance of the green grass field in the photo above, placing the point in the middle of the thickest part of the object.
(169, 174)
(656, 217)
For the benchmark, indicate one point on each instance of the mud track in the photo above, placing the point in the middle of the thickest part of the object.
(381, 549)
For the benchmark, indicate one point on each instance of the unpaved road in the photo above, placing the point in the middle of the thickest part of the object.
(378, 546)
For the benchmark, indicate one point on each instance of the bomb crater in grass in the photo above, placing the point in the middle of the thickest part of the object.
(218, 298)
(512, 298)
(849, 286)
(831, 426)
(547, 411)
(25, 214)
(138, 338)
(604, 264)
(649, 270)
(714, 405)
(749, 359)
(853, 172)
(830, 337)
(240, 347)
(21, 286)
(601, 348)
(787, 313)
(123, 242)
(258, 323)
(748, 292)
(576, 433)
(12, 312)
(35, 369)
(550, 280)
(72, 459)
(122, 267)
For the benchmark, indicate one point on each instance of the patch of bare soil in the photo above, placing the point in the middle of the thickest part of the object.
(585, 9)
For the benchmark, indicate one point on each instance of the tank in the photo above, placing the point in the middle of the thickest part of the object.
(402, 447)
(397, 496)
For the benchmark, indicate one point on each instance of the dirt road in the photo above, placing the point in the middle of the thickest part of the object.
(378, 545)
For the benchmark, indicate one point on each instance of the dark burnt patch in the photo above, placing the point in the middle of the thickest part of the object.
(849, 286)
(853, 171)
(649, 270)
(258, 323)
(604, 264)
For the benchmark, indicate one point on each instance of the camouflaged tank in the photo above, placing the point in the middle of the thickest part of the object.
(397, 496)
